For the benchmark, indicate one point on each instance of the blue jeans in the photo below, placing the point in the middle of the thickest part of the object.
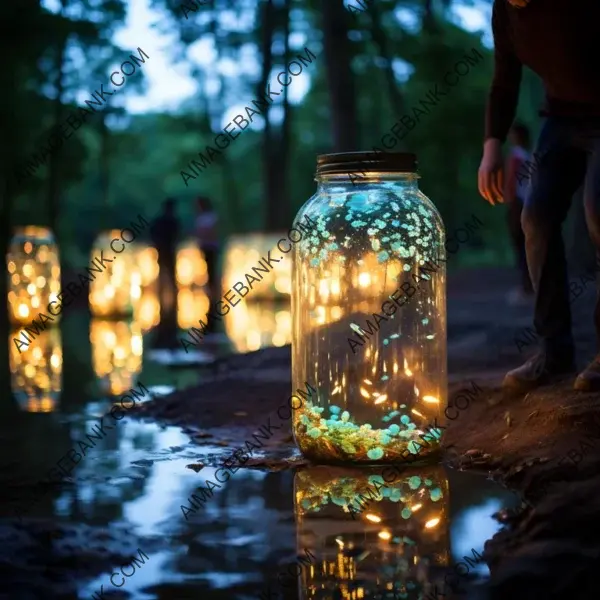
(567, 155)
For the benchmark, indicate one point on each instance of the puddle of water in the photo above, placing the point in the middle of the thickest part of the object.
(249, 528)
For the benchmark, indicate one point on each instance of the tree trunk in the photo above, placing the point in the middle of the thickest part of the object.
(269, 152)
(55, 157)
(338, 56)
(282, 214)
(381, 41)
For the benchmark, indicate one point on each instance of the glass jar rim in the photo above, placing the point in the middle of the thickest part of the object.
(360, 162)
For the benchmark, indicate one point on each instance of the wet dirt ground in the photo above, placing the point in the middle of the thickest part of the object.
(128, 496)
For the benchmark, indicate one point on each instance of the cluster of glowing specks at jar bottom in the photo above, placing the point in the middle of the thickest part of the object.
(412, 491)
(337, 432)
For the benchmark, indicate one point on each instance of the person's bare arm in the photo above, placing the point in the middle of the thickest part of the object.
(501, 106)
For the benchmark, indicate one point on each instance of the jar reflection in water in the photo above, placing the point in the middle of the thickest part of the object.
(372, 539)
(374, 263)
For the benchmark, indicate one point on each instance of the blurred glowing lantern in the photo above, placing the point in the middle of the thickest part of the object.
(147, 261)
(192, 305)
(117, 289)
(117, 350)
(396, 547)
(33, 273)
(243, 252)
(253, 325)
(191, 270)
(36, 375)
(380, 370)
(147, 311)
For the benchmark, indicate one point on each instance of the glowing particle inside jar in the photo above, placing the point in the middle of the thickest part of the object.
(430, 337)
(394, 336)
(385, 535)
(373, 518)
(406, 267)
(381, 399)
(432, 523)
(334, 409)
(425, 321)
(435, 494)
(414, 482)
(406, 512)
(364, 393)
(386, 342)
(336, 390)
(355, 327)
(416, 507)
(345, 416)
(385, 378)
(376, 245)
(417, 393)
(375, 453)
(431, 399)
(340, 542)
(416, 412)
(405, 419)
(394, 429)
(368, 381)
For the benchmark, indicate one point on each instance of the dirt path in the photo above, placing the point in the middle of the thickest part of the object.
(544, 445)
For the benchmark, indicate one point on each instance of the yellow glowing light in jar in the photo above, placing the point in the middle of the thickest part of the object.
(339, 542)
(416, 412)
(364, 280)
(381, 399)
(364, 393)
(432, 523)
(416, 507)
(431, 399)
(385, 535)
(407, 371)
(373, 518)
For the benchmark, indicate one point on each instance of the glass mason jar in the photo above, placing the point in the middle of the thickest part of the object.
(33, 274)
(366, 538)
(115, 291)
(369, 313)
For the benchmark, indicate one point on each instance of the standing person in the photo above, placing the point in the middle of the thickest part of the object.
(208, 240)
(558, 40)
(164, 231)
(515, 191)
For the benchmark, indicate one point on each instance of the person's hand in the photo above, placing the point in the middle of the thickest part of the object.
(490, 178)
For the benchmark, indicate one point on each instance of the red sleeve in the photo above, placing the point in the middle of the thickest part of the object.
(504, 93)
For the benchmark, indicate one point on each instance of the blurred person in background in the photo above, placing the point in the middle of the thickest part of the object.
(164, 231)
(208, 240)
(558, 40)
(515, 191)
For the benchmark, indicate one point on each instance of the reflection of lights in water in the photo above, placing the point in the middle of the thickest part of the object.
(36, 373)
(147, 261)
(192, 305)
(117, 349)
(244, 252)
(116, 290)
(253, 325)
(191, 269)
(147, 311)
(34, 273)
(401, 543)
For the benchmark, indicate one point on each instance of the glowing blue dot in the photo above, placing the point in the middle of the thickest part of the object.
(414, 482)
(406, 512)
(405, 419)
(314, 432)
(435, 494)
(375, 453)
(394, 429)
(345, 415)
(334, 409)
